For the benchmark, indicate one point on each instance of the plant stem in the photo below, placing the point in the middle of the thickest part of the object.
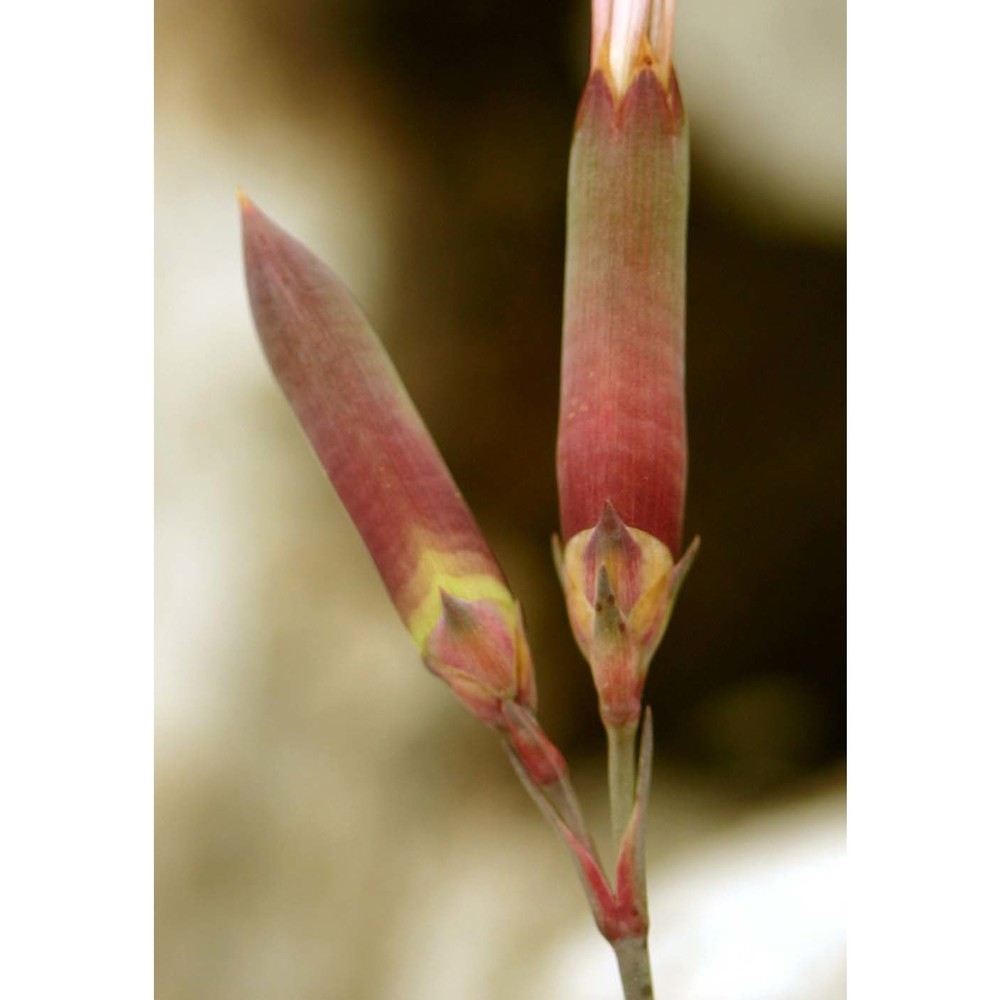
(633, 965)
(621, 779)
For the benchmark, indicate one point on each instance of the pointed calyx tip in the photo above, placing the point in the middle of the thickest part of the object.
(457, 613)
(629, 34)
(246, 205)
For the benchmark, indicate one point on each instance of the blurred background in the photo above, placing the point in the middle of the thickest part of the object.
(330, 823)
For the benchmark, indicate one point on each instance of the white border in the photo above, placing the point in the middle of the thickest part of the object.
(924, 499)
(75, 533)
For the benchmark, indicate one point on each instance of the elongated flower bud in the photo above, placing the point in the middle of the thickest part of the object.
(622, 425)
(622, 447)
(439, 571)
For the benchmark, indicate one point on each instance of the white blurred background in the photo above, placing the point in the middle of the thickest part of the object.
(329, 822)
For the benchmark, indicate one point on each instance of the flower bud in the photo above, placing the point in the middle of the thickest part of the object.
(622, 445)
(622, 430)
(438, 569)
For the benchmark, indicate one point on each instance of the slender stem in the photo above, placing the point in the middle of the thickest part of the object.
(621, 778)
(633, 964)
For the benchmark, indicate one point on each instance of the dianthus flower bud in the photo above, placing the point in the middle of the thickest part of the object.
(438, 569)
(622, 446)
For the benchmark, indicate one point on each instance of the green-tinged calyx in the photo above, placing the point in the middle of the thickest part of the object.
(622, 420)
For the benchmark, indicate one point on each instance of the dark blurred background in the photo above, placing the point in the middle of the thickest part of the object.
(422, 148)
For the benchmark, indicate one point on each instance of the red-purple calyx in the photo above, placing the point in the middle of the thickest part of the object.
(438, 569)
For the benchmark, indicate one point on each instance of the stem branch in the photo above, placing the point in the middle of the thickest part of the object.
(621, 779)
(633, 964)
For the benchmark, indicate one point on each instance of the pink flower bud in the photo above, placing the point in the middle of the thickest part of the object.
(438, 569)
(622, 431)
(622, 446)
